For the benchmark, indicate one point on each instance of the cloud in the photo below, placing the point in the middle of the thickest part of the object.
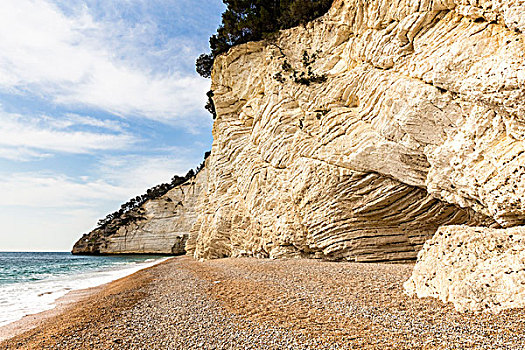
(116, 180)
(21, 154)
(72, 119)
(40, 190)
(25, 137)
(138, 173)
(76, 60)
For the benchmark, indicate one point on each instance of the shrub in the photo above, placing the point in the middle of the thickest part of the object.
(113, 221)
(250, 20)
(204, 65)
(210, 105)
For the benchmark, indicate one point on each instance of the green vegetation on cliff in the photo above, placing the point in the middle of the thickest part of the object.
(251, 20)
(113, 221)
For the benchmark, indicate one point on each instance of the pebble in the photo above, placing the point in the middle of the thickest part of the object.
(290, 304)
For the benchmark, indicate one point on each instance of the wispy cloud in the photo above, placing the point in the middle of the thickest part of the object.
(71, 120)
(40, 190)
(26, 137)
(71, 60)
(116, 180)
(22, 154)
(138, 173)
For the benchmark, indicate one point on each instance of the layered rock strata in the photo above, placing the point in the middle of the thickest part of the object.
(160, 226)
(412, 119)
(361, 133)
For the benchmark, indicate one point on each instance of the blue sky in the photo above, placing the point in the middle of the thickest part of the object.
(99, 100)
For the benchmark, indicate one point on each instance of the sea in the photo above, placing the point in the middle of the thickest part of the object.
(32, 282)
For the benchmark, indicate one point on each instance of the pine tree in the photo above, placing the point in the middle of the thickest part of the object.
(251, 20)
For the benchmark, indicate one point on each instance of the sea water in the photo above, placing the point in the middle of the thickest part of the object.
(32, 282)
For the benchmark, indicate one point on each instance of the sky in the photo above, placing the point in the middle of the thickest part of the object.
(99, 101)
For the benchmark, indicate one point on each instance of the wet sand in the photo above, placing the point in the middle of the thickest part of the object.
(267, 304)
(31, 321)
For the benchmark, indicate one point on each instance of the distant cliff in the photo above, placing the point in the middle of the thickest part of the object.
(354, 137)
(159, 226)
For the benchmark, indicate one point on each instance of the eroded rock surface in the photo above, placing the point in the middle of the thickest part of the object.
(358, 135)
(418, 123)
(476, 269)
(160, 226)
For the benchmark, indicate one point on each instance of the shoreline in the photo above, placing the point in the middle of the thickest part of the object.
(61, 306)
(29, 322)
(260, 304)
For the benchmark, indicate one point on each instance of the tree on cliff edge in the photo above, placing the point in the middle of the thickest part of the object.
(251, 20)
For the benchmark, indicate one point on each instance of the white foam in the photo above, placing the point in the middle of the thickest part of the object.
(21, 299)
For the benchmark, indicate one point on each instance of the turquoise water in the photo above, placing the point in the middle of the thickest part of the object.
(32, 282)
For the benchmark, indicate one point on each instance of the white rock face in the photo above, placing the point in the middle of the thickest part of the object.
(476, 269)
(420, 123)
(162, 225)
(360, 134)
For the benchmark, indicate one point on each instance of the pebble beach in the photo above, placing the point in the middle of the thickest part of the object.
(266, 304)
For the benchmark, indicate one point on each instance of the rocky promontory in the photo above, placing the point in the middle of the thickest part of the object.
(159, 226)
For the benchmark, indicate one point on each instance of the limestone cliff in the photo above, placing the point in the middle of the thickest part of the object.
(416, 123)
(159, 226)
(360, 134)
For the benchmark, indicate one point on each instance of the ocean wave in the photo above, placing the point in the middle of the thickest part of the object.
(37, 294)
